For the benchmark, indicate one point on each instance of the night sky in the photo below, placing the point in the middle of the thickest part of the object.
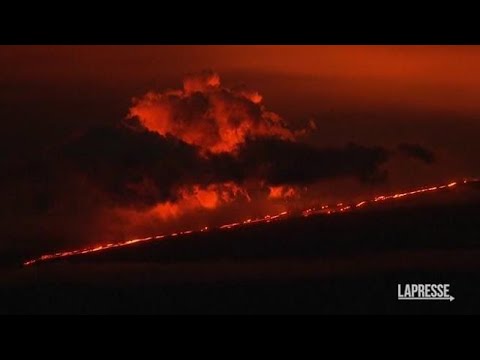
(101, 143)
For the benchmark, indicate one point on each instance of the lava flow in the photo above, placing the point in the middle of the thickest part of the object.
(321, 210)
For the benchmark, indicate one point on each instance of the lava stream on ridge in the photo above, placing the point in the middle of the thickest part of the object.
(321, 210)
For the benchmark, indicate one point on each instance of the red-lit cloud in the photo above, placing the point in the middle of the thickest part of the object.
(206, 114)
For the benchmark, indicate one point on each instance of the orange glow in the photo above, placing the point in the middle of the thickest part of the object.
(279, 192)
(324, 210)
(197, 197)
(166, 210)
(207, 198)
(205, 114)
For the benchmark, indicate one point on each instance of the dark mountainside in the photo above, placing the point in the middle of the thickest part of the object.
(342, 263)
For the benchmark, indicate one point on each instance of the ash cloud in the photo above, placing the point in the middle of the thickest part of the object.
(280, 162)
(136, 167)
(416, 151)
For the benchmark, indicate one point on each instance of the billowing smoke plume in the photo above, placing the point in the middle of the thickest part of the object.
(179, 151)
(205, 145)
(206, 114)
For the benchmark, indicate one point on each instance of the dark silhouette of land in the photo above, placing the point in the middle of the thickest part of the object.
(343, 263)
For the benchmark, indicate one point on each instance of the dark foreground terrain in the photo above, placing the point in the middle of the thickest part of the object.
(343, 263)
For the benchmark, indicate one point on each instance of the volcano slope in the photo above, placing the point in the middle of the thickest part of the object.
(348, 262)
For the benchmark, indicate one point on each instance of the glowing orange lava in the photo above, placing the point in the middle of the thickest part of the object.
(322, 210)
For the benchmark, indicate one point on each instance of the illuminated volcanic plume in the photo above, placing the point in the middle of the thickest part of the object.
(204, 146)
(184, 153)
(321, 210)
(208, 115)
